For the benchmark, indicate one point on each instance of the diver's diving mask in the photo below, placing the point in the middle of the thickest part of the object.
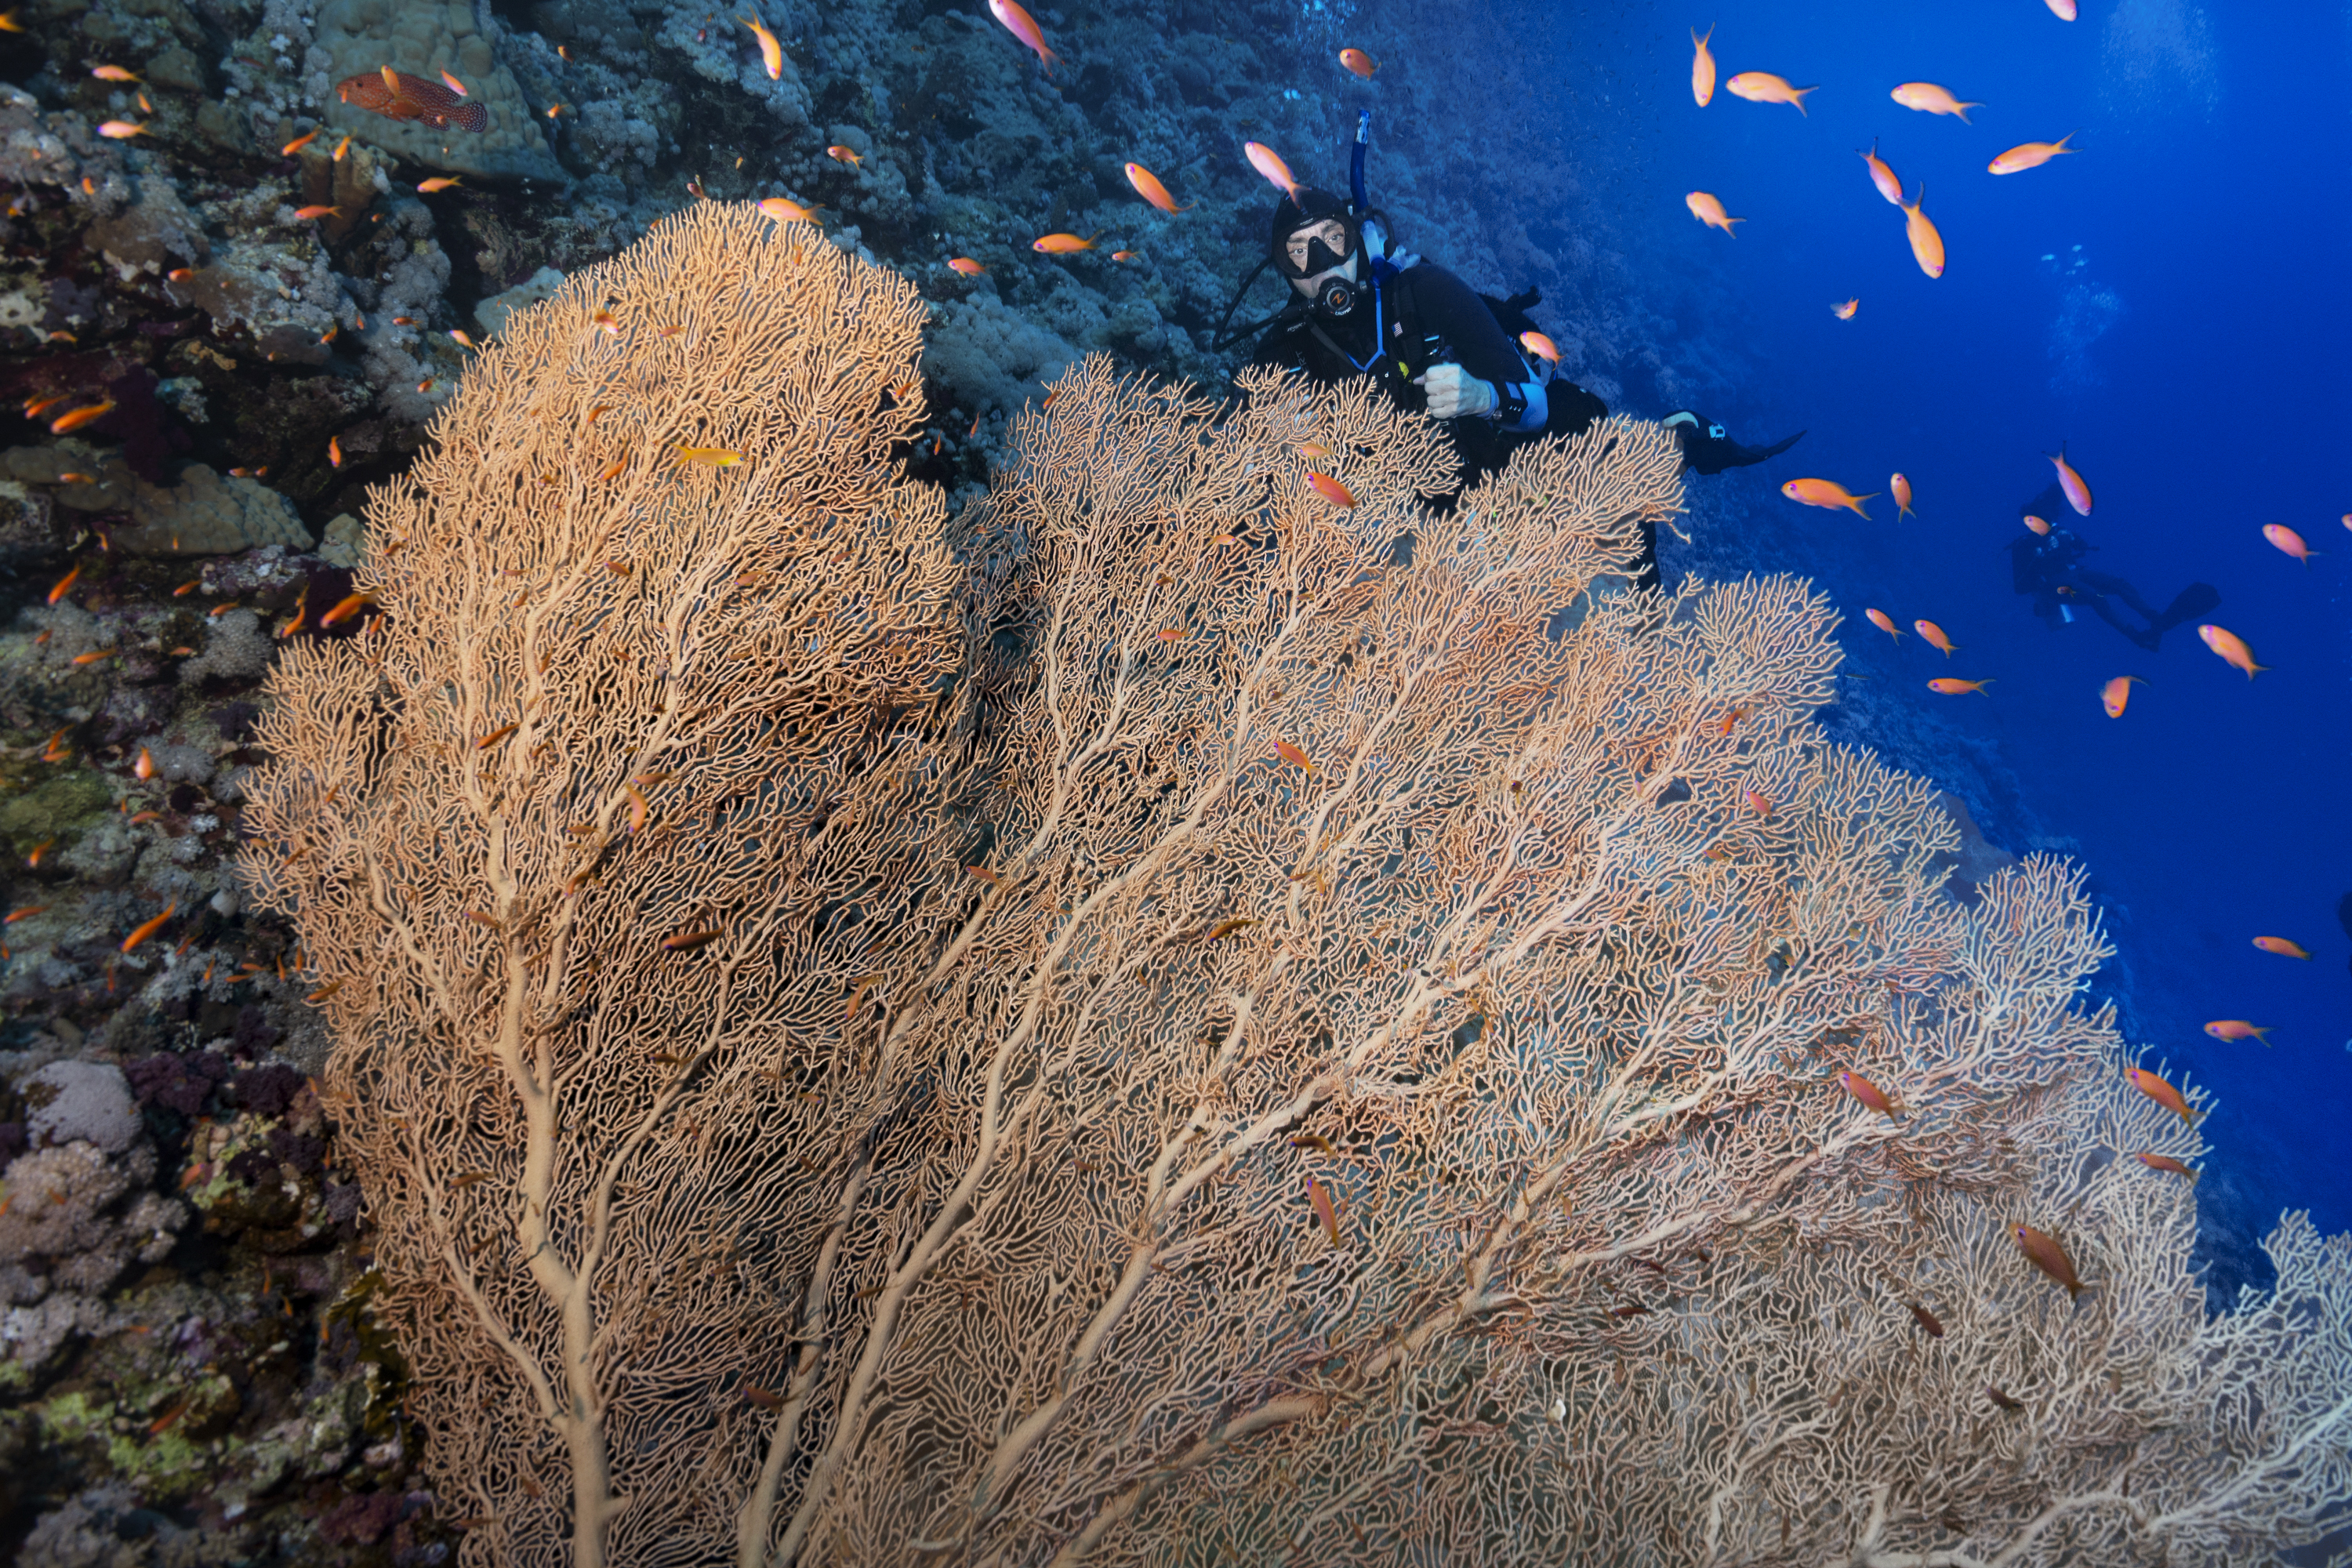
(1323, 253)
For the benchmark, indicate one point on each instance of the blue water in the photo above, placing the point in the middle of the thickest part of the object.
(2171, 304)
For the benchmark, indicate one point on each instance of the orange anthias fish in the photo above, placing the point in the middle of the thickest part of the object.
(967, 266)
(1329, 488)
(771, 53)
(2038, 525)
(144, 932)
(2042, 1250)
(344, 609)
(1023, 26)
(1869, 1093)
(2078, 492)
(1926, 241)
(2158, 1090)
(396, 95)
(2233, 650)
(2289, 541)
(80, 416)
(2115, 694)
(1933, 635)
(1296, 756)
(2165, 1163)
(1951, 686)
(1709, 210)
(1826, 493)
(1702, 68)
(785, 211)
(1900, 489)
(2281, 946)
(120, 130)
(1928, 98)
(111, 73)
(436, 185)
(2238, 1029)
(1362, 64)
(1884, 177)
(1763, 87)
(1146, 185)
(2031, 155)
(1845, 308)
(1123, 256)
(64, 584)
(1320, 1197)
(1540, 346)
(845, 155)
(1064, 244)
(1267, 161)
(1885, 623)
(1761, 805)
(307, 214)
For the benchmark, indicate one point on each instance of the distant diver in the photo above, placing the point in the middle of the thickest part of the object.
(2048, 566)
(1365, 306)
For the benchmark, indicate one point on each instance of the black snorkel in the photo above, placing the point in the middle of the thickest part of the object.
(1292, 309)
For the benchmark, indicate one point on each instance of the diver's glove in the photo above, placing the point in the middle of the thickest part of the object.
(1520, 408)
(1454, 393)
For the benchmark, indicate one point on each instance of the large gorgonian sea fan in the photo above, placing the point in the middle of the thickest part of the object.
(1407, 864)
(1331, 1049)
(647, 600)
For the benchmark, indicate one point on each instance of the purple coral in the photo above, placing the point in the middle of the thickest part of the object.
(169, 1082)
(254, 1033)
(361, 1521)
(266, 1090)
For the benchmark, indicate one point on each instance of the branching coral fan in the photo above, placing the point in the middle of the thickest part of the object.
(1221, 1026)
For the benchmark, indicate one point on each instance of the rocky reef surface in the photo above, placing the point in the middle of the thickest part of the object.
(266, 290)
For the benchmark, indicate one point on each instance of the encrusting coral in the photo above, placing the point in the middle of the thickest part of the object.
(1324, 1032)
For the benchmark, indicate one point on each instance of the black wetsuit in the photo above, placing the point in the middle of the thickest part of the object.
(1428, 316)
(2048, 567)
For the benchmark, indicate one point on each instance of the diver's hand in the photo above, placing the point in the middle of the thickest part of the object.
(1454, 392)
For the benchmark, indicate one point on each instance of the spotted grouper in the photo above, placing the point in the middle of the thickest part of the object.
(396, 95)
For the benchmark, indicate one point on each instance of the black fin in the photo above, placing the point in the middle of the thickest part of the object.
(1708, 453)
(2197, 599)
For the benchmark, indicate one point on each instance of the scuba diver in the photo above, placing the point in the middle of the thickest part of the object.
(1362, 306)
(2048, 567)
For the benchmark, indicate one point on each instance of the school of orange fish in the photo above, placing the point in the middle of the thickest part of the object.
(1927, 249)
